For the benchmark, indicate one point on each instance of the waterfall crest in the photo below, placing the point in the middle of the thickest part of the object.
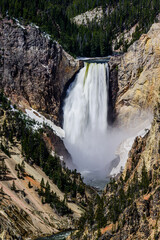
(85, 116)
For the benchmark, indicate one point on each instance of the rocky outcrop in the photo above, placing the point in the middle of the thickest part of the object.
(33, 68)
(14, 222)
(145, 150)
(139, 221)
(55, 144)
(85, 18)
(125, 37)
(138, 78)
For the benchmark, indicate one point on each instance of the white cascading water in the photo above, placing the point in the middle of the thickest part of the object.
(91, 143)
(85, 117)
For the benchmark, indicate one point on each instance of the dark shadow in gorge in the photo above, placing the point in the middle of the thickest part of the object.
(112, 95)
(63, 97)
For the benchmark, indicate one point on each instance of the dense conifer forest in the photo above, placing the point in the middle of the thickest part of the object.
(95, 39)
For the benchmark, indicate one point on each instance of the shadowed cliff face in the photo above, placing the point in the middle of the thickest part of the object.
(33, 69)
(113, 89)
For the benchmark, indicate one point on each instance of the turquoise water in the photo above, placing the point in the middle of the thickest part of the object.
(59, 236)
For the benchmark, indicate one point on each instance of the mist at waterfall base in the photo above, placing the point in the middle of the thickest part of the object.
(88, 138)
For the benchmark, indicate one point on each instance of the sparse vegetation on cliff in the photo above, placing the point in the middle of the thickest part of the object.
(129, 206)
(17, 127)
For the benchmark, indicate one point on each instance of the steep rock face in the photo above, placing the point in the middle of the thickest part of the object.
(138, 78)
(10, 217)
(33, 69)
(113, 89)
(147, 149)
(126, 35)
(89, 16)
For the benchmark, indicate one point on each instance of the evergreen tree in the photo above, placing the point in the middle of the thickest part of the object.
(23, 166)
(144, 179)
(99, 215)
(42, 183)
(18, 174)
(47, 193)
(91, 214)
(13, 187)
(29, 185)
(16, 167)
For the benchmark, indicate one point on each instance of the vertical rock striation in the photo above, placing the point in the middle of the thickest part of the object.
(113, 89)
(138, 78)
(33, 68)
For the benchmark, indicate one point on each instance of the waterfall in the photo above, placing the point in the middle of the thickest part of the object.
(85, 117)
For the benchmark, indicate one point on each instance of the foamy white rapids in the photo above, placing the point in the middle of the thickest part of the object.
(85, 117)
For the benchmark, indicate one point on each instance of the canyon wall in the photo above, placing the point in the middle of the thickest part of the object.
(137, 78)
(33, 68)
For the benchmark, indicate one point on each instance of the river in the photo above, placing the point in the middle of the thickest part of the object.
(58, 236)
